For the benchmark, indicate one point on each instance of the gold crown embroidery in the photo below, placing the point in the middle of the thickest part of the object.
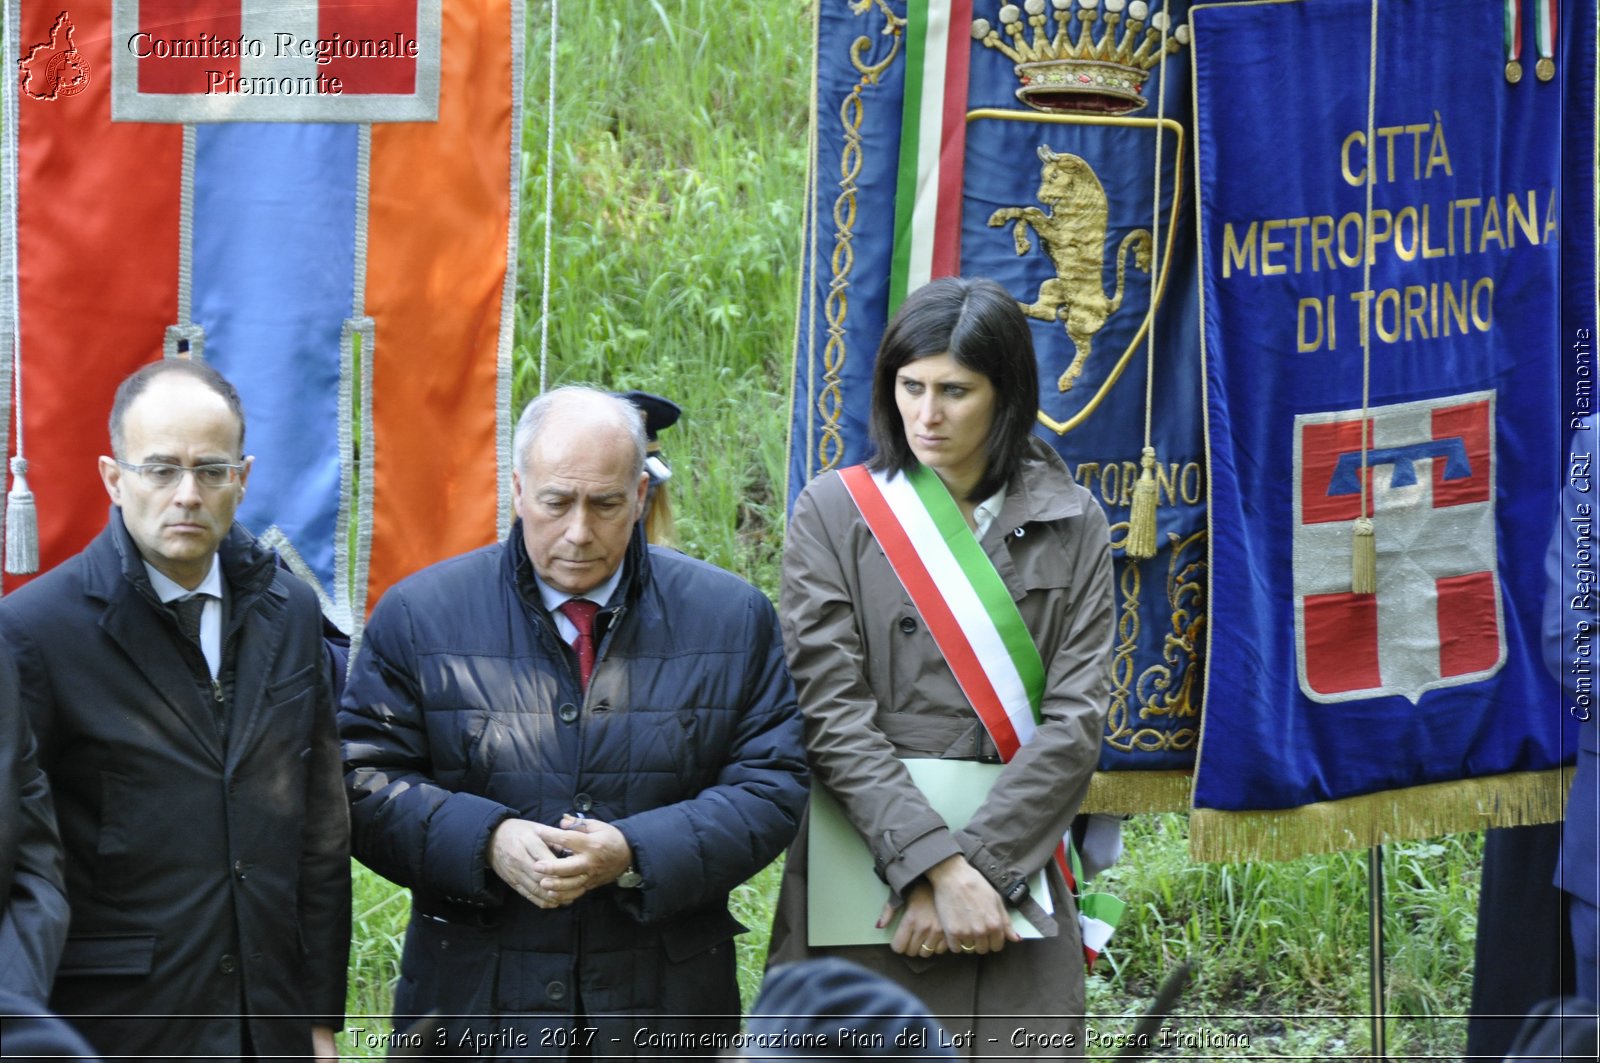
(1071, 69)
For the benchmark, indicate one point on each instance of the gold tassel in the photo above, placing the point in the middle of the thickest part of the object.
(22, 523)
(1141, 542)
(1364, 559)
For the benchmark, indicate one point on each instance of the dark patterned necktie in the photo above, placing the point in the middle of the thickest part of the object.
(581, 612)
(189, 611)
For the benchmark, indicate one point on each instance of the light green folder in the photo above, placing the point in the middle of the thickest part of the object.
(844, 895)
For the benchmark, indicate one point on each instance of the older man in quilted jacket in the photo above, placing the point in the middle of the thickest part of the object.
(571, 747)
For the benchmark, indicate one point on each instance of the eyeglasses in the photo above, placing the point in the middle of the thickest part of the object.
(165, 474)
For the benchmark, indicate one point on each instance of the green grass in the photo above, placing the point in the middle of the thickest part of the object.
(679, 169)
(680, 162)
(1280, 951)
(378, 914)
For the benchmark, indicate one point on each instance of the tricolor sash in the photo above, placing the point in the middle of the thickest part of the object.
(961, 597)
(971, 616)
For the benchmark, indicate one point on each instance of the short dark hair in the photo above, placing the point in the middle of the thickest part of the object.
(140, 379)
(983, 329)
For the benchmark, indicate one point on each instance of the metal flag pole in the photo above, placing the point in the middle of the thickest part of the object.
(1375, 959)
(549, 199)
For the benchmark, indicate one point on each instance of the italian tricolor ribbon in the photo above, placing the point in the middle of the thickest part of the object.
(1544, 28)
(1513, 30)
(1544, 37)
(927, 222)
(968, 611)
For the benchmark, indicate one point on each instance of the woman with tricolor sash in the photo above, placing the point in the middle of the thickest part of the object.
(947, 614)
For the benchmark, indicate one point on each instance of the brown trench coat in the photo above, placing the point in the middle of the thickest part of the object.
(873, 687)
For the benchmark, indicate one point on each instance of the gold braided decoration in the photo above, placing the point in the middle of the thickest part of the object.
(1155, 691)
(830, 404)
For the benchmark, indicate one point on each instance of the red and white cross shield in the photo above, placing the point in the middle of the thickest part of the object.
(1436, 618)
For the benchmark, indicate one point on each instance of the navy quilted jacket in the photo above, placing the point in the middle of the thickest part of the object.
(463, 708)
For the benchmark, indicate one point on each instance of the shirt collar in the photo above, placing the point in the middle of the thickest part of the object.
(601, 595)
(169, 590)
(985, 512)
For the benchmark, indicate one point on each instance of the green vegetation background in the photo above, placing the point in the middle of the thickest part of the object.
(681, 144)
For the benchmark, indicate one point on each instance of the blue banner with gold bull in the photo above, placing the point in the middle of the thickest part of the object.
(1046, 146)
(1383, 247)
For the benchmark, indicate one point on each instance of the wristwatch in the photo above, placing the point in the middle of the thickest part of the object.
(630, 879)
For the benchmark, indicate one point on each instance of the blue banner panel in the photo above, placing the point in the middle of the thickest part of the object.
(274, 275)
(849, 234)
(1398, 362)
(1075, 193)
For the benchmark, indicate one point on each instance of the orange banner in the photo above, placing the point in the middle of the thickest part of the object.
(440, 244)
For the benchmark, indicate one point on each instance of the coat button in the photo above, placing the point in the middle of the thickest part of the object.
(583, 802)
(568, 712)
(908, 624)
(556, 991)
(238, 870)
(227, 965)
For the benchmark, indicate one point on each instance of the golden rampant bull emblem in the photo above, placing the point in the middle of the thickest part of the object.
(1073, 234)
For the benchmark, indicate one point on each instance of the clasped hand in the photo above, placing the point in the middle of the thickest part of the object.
(554, 866)
(952, 909)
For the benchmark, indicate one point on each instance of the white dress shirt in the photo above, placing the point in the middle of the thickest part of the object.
(985, 512)
(553, 601)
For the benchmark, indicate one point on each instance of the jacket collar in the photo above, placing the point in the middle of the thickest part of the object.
(115, 564)
(1041, 490)
(518, 567)
(114, 567)
(114, 573)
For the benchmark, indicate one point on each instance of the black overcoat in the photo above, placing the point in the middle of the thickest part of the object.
(205, 877)
(33, 921)
(464, 709)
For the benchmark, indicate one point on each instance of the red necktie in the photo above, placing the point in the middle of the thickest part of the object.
(581, 612)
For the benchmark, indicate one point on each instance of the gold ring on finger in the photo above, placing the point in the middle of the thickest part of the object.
(927, 949)
(969, 948)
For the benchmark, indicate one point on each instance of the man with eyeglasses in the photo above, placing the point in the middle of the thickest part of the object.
(175, 679)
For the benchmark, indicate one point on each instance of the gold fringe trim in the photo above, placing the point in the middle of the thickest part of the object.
(1139, 792)
(1511, 800)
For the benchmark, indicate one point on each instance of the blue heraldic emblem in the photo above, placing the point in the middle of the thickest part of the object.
(1385, 240)
(1078, 203)
(1072, 189)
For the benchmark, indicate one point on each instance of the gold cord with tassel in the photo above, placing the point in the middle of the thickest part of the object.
(1141, 542)
(1364, 541)
(1364, 558)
